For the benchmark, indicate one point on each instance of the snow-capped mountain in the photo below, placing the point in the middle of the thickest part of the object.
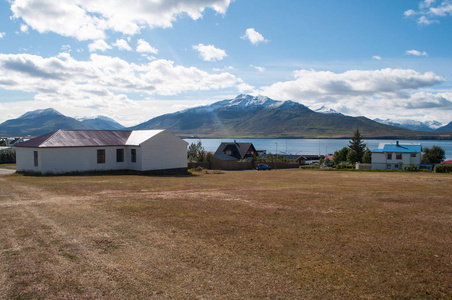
(429, 126)
(324, 110)
(260, 116)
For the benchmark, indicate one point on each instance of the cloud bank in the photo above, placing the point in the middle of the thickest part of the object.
(363, 92)
(103, 80)
(90, 19)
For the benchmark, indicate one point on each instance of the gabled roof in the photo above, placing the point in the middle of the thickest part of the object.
(400, 148)
(90, 138)
(239, 150)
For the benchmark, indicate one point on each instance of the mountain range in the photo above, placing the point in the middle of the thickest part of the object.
(243, 116)
(42, 121)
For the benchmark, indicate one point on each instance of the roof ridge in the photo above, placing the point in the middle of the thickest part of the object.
(50, 136)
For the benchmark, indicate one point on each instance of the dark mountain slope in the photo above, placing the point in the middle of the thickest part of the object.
(39, 122)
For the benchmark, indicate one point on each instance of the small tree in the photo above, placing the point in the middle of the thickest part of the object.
(196, 152)
(367, 156)
(352, 156)
(357, 145)
(340, 155)
(2, 143)
(434, 155)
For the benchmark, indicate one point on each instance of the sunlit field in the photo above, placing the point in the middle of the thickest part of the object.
(281, 234)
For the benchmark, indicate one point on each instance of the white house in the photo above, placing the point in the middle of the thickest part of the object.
(395, 156)
(66, 151)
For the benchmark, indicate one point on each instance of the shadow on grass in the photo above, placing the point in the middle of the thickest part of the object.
(183, 172)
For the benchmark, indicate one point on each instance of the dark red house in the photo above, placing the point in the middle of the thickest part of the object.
(237, 150)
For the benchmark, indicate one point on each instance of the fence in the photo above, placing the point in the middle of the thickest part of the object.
(216, 164)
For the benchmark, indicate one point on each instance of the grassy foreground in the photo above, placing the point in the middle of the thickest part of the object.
(285, 234)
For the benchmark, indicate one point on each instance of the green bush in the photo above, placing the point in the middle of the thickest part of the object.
(344, 165)
(8, 156)
(410, 168)
(443, 169)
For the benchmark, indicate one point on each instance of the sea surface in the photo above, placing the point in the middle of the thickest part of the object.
(315, 146)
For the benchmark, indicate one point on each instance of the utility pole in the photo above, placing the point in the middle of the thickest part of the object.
(276, 157)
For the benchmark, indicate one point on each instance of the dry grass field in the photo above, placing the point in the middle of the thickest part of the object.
(284, 234)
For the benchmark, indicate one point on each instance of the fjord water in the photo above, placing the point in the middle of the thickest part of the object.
(315, 146)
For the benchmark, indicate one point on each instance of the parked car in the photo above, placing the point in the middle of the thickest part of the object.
(263, 167)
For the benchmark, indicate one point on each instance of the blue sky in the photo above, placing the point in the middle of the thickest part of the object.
(133, 61)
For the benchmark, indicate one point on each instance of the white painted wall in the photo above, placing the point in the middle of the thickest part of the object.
(381, 162)
(164, 151)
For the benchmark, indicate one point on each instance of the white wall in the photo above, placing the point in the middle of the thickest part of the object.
(63, 160)
(380, 161)
(164, 151)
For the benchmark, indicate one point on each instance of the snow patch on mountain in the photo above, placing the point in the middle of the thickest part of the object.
(411, 124)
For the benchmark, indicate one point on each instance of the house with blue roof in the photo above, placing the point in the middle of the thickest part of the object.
(396, 156)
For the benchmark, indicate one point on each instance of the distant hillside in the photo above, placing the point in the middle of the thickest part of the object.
(43, 121)
(102, 123)
(39, 122)
(248, 116)
(447, 128)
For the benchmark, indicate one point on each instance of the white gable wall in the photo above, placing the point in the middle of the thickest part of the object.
(163, 151)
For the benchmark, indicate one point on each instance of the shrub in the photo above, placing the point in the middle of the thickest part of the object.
(410, 168)
(443, 169)
(8, 156)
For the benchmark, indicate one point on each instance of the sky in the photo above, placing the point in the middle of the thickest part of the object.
(135, 60)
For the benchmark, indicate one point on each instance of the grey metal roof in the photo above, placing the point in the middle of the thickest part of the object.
(79, 138)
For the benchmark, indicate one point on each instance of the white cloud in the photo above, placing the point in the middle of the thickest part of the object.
(430, 10)
(409, 13)
(260, 69)
(416, 53)
(100, 45)
(66, 48)
(253, 36)
(144, 46)
(426, 3)
(423, 20)
(89, 19)
(210, 52)
(376, 57)
(24, 28)
(2, 35)
(103, 81)
(122, 44)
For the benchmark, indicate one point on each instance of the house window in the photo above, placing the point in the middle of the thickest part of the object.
(389, 155)
(228, 152)
(101, 156)
(398, 156)
(119, 155)
(35, 157)
(388, 166)
(413, 154)
(133, 155)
